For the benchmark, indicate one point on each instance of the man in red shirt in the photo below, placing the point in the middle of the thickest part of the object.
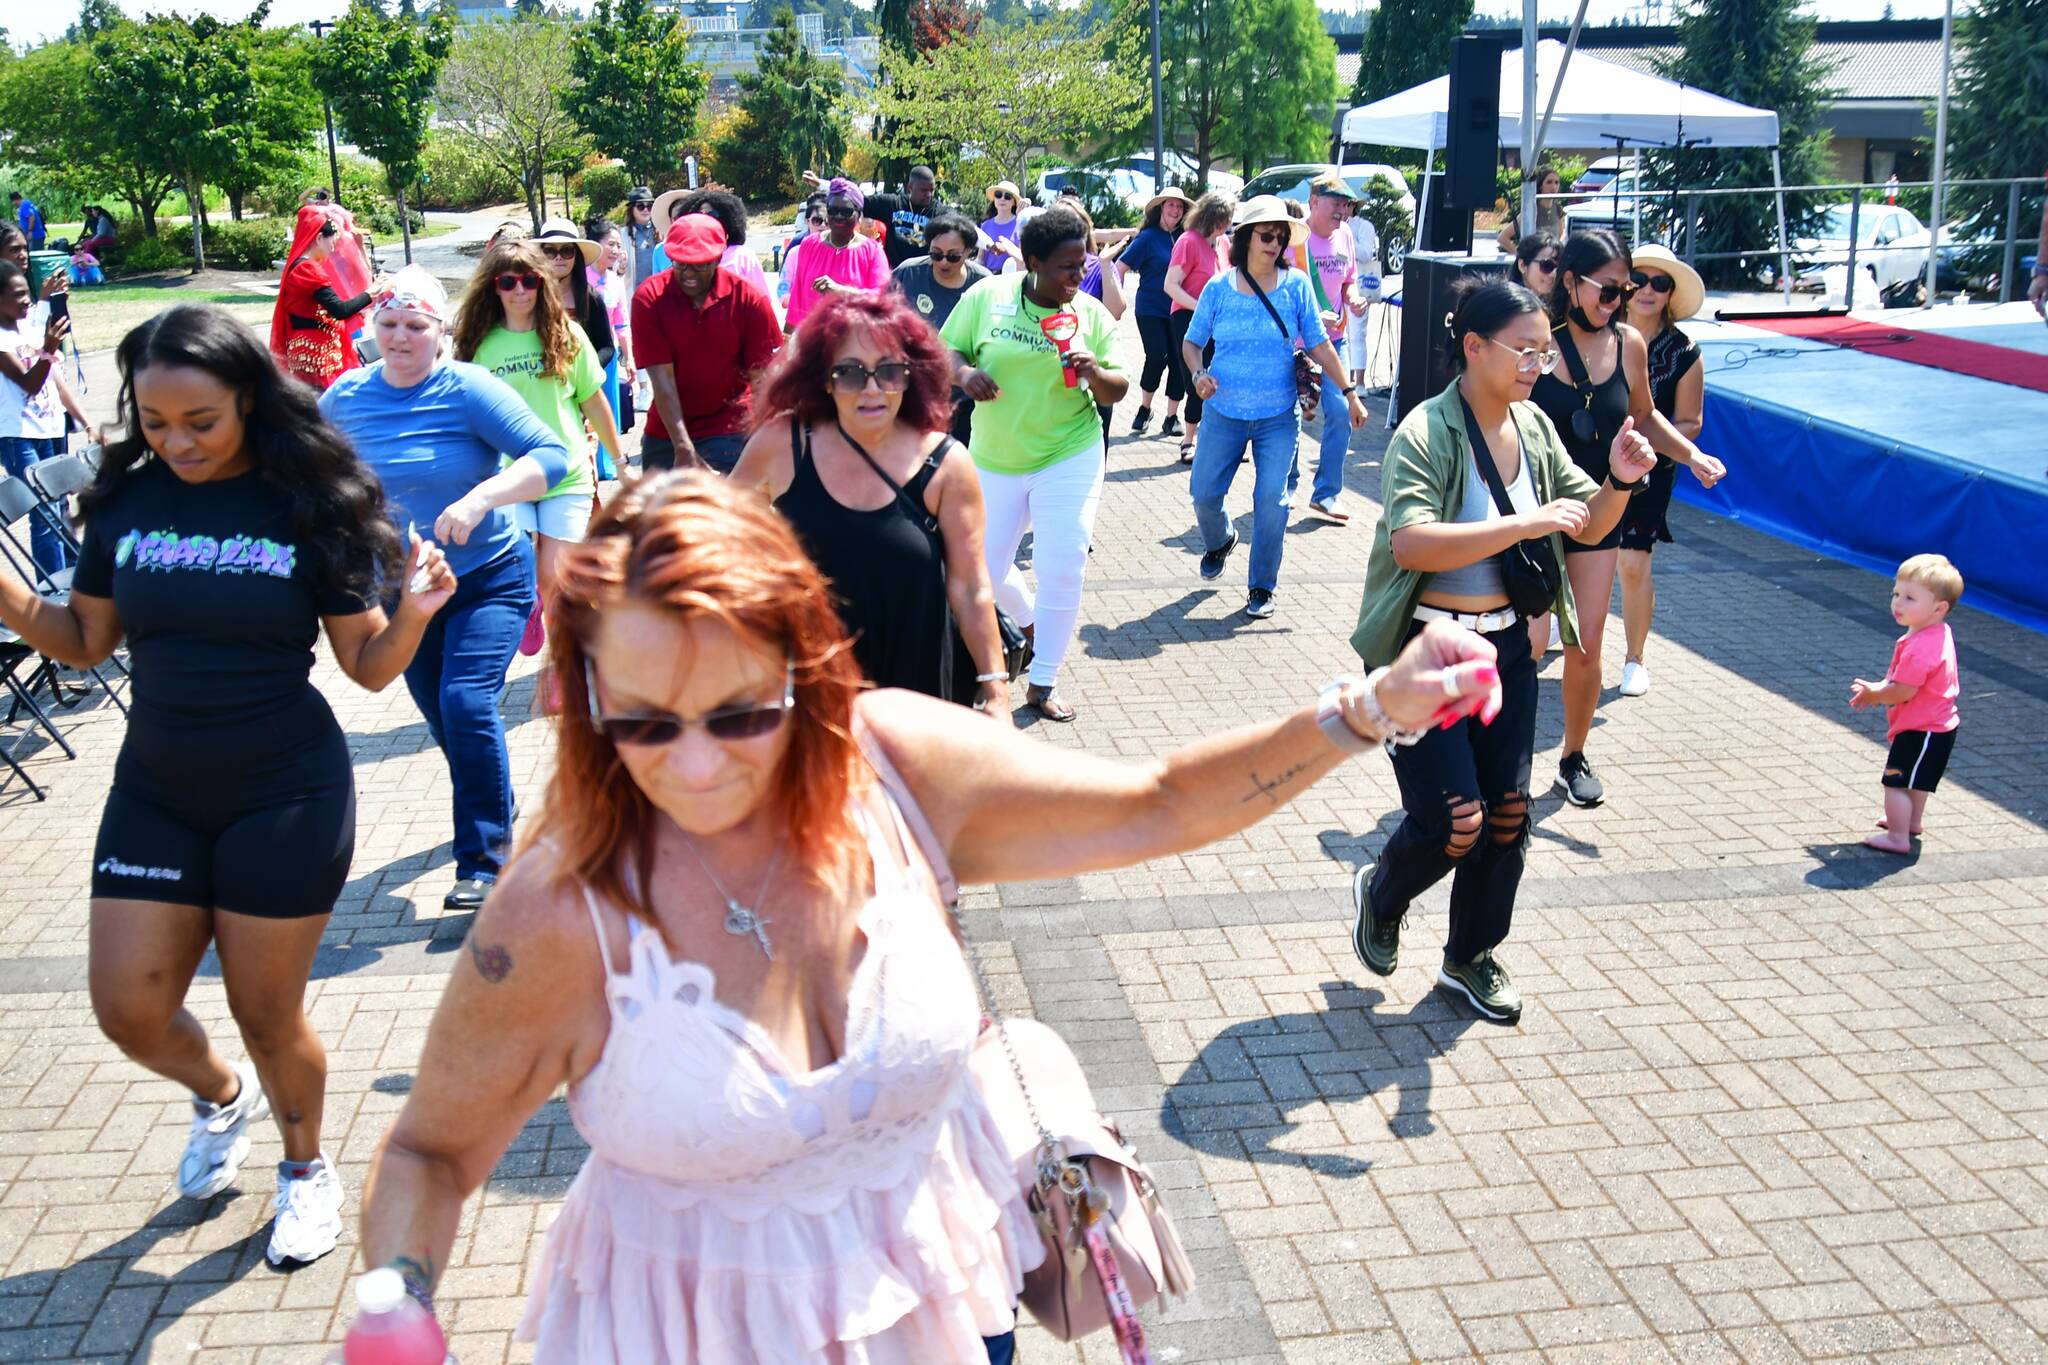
(722, 330)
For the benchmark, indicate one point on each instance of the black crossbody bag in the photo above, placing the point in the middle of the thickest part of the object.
(1308, 385)
(1528, 568)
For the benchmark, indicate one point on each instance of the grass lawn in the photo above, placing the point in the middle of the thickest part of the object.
(102, 314)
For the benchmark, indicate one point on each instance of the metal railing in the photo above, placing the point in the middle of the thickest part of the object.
(1676, 213)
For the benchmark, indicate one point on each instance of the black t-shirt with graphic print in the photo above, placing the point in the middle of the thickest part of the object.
(904, 238)
(221, 607)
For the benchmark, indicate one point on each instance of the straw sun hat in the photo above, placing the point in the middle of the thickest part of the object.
(1687, 290)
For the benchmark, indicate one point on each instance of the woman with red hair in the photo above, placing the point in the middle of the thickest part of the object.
(856, 454)
(311, 324)
(790, 1159)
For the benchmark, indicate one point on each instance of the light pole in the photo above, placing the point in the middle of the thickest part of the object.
(1158, 112)
(1948, 23)
(320, 27)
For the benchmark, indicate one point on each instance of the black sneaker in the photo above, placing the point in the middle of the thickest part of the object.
(1171, 426)
(1376, 941)
(1212, 560)
(1485, 983)
(1575, 779)
(1259, 604)
(467, 894)
(1141, 421)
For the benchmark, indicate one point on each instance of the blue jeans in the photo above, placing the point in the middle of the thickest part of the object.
(722, 453)
(1221, 440)
(20, 453)
(1333, 414)
(455, 680)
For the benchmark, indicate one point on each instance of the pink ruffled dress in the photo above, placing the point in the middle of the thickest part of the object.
(735, 1210)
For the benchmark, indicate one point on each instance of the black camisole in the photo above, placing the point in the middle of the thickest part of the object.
(1559, 398)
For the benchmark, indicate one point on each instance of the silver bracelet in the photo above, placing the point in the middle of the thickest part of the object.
(991, 677)
(1376, 715)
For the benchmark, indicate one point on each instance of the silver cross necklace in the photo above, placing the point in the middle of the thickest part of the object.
(743, 921)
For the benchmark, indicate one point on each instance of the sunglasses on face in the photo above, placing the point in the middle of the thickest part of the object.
(1656, 284)
(1004, 195)
(1611, 294)
(509, 281)
(557, 253)
(891, 376)
(643, 208)
(1272, 236)
(841, 212)
(1546, 265)
(1529, 360)
(817, 219)
(948, 257)
(727, 723)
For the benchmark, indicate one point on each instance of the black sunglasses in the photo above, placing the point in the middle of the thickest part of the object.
(1002, 194)
(510, 281)
(891, 376)
(841, 211)
(1656, 284)
(1270, 236)
(1614, 293)
(949, 257)
(664, 727)
(558, 252)
(1545, 264)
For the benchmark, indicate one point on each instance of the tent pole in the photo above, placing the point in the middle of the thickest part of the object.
(1948, 23)
(1571, 45)
(1528, 206)
(1784, 258)
(1422, 204)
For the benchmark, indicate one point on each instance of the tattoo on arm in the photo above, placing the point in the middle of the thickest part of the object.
(1269, 788)
(418, 1276)
(493, 963)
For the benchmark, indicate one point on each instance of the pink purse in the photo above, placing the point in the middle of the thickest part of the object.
(1109, 1244)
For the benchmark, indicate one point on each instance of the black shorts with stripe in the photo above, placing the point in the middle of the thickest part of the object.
(1918, 759)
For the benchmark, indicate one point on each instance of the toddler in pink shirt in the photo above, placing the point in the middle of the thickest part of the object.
(1919, 690)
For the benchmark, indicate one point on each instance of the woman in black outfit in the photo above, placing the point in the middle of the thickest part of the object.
(856, 454)
(1603, 379)
(224, 531)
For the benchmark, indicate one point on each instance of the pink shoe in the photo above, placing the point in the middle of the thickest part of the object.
(535, 635)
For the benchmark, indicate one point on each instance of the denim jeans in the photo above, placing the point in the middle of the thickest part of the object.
(455, 679)
(20, 453)
(1221, 441)
(1332, 430)
(720, 452)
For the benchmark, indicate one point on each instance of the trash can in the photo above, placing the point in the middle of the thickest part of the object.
(42, 265)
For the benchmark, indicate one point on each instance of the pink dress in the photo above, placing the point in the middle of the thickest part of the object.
(734, 1209)
(861, 263)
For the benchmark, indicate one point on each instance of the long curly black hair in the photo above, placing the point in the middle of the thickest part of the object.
(336, 502)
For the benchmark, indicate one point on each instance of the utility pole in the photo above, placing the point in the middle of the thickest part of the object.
(1948, 24)
(320, 27)
(1158, 111)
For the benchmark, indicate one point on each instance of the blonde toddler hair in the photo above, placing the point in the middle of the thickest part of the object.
(1934, 573)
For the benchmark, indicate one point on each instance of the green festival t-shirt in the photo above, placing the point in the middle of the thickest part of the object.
(515, 358)
(1038, 421)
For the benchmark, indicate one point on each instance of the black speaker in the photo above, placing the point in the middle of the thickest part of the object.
(1426, 281)
(1472, 125)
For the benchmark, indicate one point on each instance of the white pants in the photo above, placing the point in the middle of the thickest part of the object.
(1057, 505)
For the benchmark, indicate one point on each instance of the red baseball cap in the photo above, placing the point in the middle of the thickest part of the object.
(695, 239)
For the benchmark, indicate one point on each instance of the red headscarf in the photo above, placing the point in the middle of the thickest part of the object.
(301, 277)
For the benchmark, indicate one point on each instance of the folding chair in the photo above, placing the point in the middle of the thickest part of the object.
(13, 654)
(57, 480)
(19, 503)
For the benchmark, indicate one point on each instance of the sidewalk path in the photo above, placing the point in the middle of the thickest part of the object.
(1773, 1098)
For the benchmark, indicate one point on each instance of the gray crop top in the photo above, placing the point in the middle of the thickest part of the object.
(1483, 579)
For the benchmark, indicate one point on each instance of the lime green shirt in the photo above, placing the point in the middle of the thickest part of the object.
(1423, 480)
(1038, 421)
(515, 358)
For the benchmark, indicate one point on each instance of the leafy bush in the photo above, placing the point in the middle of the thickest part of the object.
(144, 255)
(454, 175)
(1382, 208)
(738, 156)
(605, 187)
(257, 244)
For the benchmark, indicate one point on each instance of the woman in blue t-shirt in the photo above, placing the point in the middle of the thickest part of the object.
(1256, 313)
(433, 430)
(1147, 255)
(226, 529)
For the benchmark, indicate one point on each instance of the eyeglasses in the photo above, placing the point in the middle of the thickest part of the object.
(1656, 284)
(510, 281)
(1529, 360)
(559, 252)
(1271, 236)
(1613, 293)
(727, 723)
(948, 257)
(891, 376)
(841, 211)
(1544, 265)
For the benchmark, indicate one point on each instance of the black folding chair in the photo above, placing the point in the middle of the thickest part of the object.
(20, 504)
(57, 481)
(13, 654)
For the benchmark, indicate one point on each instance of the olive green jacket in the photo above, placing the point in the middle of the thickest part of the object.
(1422, 480)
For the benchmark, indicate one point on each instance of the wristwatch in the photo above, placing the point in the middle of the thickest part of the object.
(1620, 487)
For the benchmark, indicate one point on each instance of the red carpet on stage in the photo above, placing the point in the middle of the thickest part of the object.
(1981, 360)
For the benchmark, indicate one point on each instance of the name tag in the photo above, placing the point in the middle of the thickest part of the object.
(1003, 308)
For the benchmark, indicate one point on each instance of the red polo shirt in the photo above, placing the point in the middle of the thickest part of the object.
(713, 348)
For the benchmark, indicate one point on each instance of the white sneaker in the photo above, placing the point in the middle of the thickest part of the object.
(308, 1205)
(1635, 679)
(219, 1140)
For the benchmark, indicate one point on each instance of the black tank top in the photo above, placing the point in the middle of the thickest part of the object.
(1559, 398)
(886, 571)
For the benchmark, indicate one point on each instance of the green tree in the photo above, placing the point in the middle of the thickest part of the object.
(501, 92)
(795, 116)
(1283, 80)
(381, 74)
(1997, 114)
(1407, 42)
(1760, 53)
(1013, 90)
(273, 139)
(636, 93)
(179, 91)
(50, 119)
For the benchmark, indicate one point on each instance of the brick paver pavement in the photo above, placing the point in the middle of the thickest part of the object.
(1773, 1098)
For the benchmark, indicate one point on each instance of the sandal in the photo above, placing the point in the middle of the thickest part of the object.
(1042, 700)
(1187, 452)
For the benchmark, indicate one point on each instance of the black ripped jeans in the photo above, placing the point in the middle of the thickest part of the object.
(1465, 798)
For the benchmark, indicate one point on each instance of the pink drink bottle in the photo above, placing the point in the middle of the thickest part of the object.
(390, 1327)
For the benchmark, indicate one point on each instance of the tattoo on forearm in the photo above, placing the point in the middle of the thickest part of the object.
(418, 1276)
(1270, 788)
(493, 963)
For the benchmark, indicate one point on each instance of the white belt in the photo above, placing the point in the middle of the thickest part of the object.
(1485, 622)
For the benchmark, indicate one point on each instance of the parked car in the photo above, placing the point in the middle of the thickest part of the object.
(1614, 207)
(1891, 252)
(1180, 170)
(1094, 185)
(1292, 182)
(1596, 175)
